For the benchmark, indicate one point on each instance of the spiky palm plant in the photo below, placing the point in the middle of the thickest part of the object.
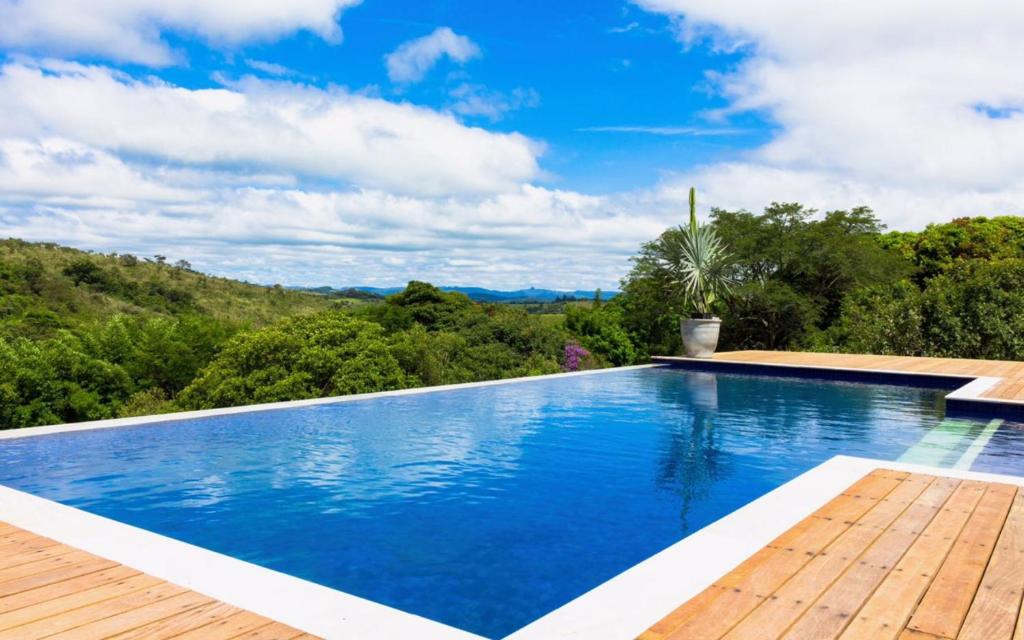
(696, 263)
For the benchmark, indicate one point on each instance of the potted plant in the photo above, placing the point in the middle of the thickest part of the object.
(696, 265)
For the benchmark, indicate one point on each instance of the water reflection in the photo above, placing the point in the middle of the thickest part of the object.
(691, 459)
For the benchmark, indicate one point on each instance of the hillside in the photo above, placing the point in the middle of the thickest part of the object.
(45, 287)
(518, 296)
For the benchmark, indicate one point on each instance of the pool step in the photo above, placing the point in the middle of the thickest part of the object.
(952, 443)
(978, 445)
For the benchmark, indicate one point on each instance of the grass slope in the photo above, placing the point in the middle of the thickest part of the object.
(45, 287)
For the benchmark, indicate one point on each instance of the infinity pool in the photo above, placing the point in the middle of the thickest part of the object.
(485, 507)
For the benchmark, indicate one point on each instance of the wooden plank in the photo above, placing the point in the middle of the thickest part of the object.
(830, 614)
(942, 610)
(180, 623)
(69, 620)
(723, 604)
(75, 600)
(27, 555)
(42, 566)
(227, 628)
(137, 616)
(778, 611)
(993, 614)
(63, 588)
(275, 631)
(887, 611)
(90, 565)
(910, 634)
(26, 541)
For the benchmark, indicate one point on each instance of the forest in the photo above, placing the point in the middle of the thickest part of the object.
(87, 336)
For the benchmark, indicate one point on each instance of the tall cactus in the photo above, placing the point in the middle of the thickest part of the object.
(693, 211)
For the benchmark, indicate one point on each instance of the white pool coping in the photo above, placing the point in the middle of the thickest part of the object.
(620, 608)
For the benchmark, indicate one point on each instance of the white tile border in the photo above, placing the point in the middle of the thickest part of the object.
(632, 601)
(966, 395)
(7, 434)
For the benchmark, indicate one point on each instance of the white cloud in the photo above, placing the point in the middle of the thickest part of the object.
(62, 191)
(266, 126)
(876, 103)
(130, 30)
(476, 100)
(269, 68)
(411, 61)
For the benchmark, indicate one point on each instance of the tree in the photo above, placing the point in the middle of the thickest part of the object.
(325, 354)
(600, 330)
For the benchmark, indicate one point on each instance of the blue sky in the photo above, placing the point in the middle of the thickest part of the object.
(502, 144)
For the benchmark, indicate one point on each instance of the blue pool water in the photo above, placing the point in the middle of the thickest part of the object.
(487, 507)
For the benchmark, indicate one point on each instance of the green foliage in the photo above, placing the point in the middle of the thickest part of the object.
(886, 320)
(421, 336)
(767, 315)
(57, 380)
(975, 310)
(325, 354)
(45, 287)
(941, 247)
(599, 329)
(794, 269)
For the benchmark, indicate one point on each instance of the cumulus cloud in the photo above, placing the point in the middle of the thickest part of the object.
(411, 61)
(270, 126)
(130, 30)
(66, 191)
(910, 106)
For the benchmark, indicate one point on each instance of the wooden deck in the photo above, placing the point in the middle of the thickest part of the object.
(1011, 388)
(51, 590)
(897, 556)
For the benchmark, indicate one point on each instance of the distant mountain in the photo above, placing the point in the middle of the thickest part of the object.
(481, 294)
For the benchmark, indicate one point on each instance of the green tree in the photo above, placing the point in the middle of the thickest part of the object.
(600, 330)
(325, 354)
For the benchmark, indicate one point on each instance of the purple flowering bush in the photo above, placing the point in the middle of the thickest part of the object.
(575, 357)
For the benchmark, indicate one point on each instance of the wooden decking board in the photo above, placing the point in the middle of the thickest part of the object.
(175, 625)
(945, 604)
(49, 590)
(178, 604)
(994, 612)
(948, 566)
(72, 601)
(227, 628)
(889, 608)
(776, 612)
(1011, 388)
(723, 604)
(66, 587)
(830, 614)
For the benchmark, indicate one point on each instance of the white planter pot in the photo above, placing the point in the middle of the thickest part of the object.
(700, 336)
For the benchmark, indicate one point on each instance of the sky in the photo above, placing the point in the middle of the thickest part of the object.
(504, 144)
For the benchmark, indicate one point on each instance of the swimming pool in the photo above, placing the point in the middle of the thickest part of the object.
(487, 507)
